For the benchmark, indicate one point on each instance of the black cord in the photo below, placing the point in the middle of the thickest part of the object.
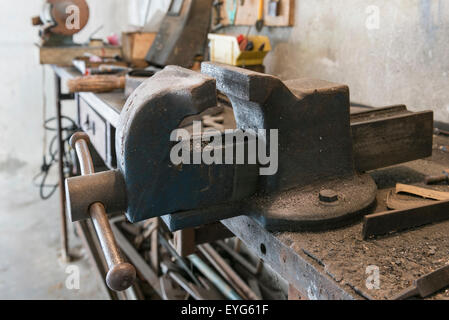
(50, 158)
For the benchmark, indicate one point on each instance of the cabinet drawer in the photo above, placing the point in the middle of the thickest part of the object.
(94, 125)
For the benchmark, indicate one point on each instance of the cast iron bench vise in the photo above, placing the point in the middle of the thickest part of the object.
(323, 152)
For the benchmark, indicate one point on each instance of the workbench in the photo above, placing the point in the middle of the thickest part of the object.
(331, 264)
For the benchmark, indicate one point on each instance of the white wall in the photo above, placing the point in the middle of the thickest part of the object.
(404, 60)
(20, 86)
(21, 81)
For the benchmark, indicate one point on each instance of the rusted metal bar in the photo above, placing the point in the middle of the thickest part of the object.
(231, 274)
(253, 269)
(396, 220)
(224, 288)
(180, 280)
(220, 270)
(182, 263)
(121, 274)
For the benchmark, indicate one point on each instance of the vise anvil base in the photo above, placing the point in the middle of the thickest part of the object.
(301, 209)
(298, 209)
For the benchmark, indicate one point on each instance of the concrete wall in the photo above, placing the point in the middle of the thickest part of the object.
(22, 81)
(403, 59)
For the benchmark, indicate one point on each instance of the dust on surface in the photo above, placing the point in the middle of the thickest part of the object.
(401, 257)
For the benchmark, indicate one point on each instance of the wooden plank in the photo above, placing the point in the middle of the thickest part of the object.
(246, 14)
(396, 220)
(386, 140)
(63, 56)
(422, 192)
(184, 242)
(136, 46)
(398, 203)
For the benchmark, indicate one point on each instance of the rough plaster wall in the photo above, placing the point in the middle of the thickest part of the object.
(405, 60)
(21, 83)
(20, 86)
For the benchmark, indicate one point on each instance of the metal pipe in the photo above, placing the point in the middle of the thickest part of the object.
(224, 288)
(183, 283)
(220, 270)
(178, 258)
(234, 277)
(255, 270)
(121, 274)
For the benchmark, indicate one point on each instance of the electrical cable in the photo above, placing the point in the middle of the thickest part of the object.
(50, 153)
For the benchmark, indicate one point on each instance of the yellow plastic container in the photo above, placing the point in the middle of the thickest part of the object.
(224, 48)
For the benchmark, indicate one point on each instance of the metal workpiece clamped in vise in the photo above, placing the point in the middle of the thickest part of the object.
(323, 152)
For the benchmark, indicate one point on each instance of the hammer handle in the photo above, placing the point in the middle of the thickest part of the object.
(260, 10)
(121, 274)
(98, 83)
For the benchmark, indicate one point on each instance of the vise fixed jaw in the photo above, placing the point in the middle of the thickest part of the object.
(315, 186)
(147, 184)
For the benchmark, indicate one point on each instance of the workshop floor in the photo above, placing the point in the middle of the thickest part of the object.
(30, 244)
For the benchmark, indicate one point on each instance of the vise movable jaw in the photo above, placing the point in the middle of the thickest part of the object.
(315, 187)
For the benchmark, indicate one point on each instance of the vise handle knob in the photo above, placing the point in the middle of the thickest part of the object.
(121, 274)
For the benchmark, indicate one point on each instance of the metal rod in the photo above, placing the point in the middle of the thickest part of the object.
(178, 258)
(64, 237)
(224, 288)
(253, 269)
(183, 283)
(220, 270)
(121, 274)
(235, 278)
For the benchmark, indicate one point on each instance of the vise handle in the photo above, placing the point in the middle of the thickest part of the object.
(121, 274)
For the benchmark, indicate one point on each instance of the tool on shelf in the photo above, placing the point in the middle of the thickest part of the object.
(58, 22)
(217, 20)
(260, 22)
(121, 274)
(231, 11)
(182, 34)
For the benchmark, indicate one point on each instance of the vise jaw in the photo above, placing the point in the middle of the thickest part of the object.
(315, 187)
